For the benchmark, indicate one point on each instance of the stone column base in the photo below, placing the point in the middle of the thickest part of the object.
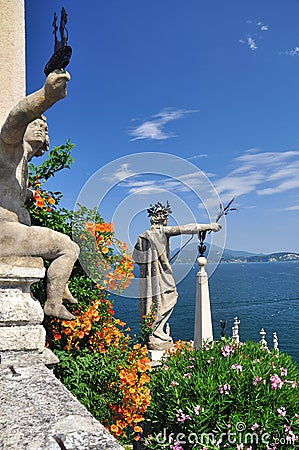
(22, 337)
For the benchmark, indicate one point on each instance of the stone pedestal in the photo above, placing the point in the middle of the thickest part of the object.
(22, 336)
(155, 355)
(203, 320)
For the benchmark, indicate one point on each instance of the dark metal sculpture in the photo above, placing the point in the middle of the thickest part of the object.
(202, 247)
(223, 325)
(202, 235)
(62, 52)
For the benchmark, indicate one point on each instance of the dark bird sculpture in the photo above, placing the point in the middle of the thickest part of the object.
(62, 52)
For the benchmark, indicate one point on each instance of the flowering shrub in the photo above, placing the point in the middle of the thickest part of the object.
(99, 362)
(223, 396)
(106, 258)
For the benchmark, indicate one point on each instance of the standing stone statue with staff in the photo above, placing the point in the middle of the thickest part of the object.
(23, 136)
(157, 291)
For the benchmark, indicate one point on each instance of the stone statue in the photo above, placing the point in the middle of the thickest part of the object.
(157, 290)
(24, 135)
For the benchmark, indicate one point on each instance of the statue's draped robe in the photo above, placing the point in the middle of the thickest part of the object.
(157, 290)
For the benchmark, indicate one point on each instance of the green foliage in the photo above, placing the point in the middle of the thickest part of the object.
(223, 388)
(88, 375)
(58, 158)
(93, 348)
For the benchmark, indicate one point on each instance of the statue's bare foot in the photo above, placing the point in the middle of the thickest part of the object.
(59, 311)
(68, 296)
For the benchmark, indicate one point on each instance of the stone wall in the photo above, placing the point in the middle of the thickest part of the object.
(39, 413)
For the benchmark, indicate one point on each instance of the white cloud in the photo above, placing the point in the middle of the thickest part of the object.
(155, 128)
(252, 38)
(265, 173)
(121, 174)
(294, 52)
(292, 208)
(251, 43)
(262, 26)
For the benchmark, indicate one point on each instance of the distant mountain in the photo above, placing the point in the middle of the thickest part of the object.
(190, 253)
(273, 257)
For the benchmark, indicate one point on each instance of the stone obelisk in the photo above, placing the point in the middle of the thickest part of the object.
(12, 55)
(203, 330)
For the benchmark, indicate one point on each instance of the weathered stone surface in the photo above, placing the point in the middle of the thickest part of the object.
(16, 267)
(28, 358)
(18, 308)
(18, 338)
(12, 54)
(38, 413)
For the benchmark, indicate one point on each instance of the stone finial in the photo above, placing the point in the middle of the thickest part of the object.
(235, 330)
(167, 329)
(263, 341)
(275, 342)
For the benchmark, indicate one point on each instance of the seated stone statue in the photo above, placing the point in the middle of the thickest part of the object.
(24, 135)
(157, 290)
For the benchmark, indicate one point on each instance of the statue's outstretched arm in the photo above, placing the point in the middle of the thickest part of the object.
(191, 228)
(32, 106)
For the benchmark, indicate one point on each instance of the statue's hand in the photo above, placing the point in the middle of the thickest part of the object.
(55, 85)
(213, 226)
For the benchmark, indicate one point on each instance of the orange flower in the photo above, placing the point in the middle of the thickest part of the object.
(40, 202)
(137, 429)
(51, 201)
(89, 226)
(105, 250)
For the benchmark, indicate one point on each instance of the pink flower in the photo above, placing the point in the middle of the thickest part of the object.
(181, 417)
(197, 409)
(166, 367)
(255, 426)
(226, 350)
(224, 389)
(174, 383)
(190, 367)
(276, 382)
(240, 447)
(237, 367)
(283, 372)
(281, 411)
(257, 379)
(210, 360)
(290, 434)
(187, 375)
(176, 446)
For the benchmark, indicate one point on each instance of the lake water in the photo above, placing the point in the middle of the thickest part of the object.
(260, 294)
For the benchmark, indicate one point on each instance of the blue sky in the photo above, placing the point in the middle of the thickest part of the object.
(214, 83)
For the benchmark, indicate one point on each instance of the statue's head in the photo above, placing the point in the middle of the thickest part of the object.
(158, 213)
(36, 135)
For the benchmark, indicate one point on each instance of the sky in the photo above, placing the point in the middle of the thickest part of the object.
(189, 101)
